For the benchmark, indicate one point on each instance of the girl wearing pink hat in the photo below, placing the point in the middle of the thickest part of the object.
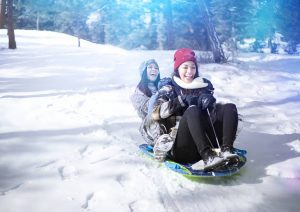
(187, 109)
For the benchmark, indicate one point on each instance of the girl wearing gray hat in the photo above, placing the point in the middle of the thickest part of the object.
(141, 98)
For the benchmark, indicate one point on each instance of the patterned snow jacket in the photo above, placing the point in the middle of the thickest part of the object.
(149, 129)
(169, 107)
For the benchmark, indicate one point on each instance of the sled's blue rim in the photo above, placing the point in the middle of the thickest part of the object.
(187, 171)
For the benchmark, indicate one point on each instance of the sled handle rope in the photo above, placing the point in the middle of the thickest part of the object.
(213, 128)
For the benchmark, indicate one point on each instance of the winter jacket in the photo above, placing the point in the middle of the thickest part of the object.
(169, 105)
(149, 129)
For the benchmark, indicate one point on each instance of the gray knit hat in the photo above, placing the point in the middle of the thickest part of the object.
(144, 65)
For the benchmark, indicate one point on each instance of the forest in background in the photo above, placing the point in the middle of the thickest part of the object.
(167, 24)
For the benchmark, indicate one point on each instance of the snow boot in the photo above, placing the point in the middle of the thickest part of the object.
(229, 156)
(162, 146)
(211, 160)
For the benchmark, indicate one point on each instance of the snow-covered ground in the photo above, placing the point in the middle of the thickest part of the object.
(69, 135)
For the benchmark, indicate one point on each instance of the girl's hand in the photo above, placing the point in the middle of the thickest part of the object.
(206, 100)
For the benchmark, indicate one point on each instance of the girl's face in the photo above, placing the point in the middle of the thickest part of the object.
(187, 71)
(152, 72)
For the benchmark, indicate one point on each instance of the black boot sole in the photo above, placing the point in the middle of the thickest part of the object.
(233, 161)
(227, 165)
(215, 167)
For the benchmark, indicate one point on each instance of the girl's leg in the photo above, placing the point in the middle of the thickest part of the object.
(226, 127)
(191, 140)
(227, 122)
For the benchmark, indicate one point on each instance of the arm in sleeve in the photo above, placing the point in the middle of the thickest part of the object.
(166, 104)
(140, 103)
(210, 88)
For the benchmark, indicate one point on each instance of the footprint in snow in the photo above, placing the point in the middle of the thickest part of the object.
(4, 192)
(67, 172)
(46, 164)
(87, 199)
(83, 150)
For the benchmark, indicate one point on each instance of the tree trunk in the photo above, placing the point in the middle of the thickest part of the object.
(78, 39)
(10, 26)
(215, 44)
(38, 21)
(169, 19)
(78, 36)
(102, 28)
(161, 37)
(2, 13)
(102, 34)
(76, 31)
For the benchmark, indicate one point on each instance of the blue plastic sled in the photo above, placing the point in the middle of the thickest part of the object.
(188, 171)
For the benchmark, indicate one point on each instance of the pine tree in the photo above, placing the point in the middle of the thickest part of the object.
(288, 22)
(231, 19)
(34, 14)
(264, 20)
(215, 43)
(7, 19)
(10, 26)
(164, 23)
(2, 13)
(96, 21)
(71, 17)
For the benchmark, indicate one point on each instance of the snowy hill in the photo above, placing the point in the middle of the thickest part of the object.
(69, 135)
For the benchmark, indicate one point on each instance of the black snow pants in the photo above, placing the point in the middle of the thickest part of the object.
(195, 133)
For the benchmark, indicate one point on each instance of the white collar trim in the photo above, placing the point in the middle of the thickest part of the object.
(196, 83)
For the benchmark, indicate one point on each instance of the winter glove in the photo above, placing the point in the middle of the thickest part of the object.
(206, 100)
(189, 99)
(165, 90)
(163, 82)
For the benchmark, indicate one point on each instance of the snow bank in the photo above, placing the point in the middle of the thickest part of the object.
(295, 145)
(69, 134)
(286, 169)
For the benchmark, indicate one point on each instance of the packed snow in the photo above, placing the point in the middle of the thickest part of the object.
(69, 134)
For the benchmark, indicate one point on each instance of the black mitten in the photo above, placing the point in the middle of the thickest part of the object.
(206, 100)
(163, 82)
(189, 99)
